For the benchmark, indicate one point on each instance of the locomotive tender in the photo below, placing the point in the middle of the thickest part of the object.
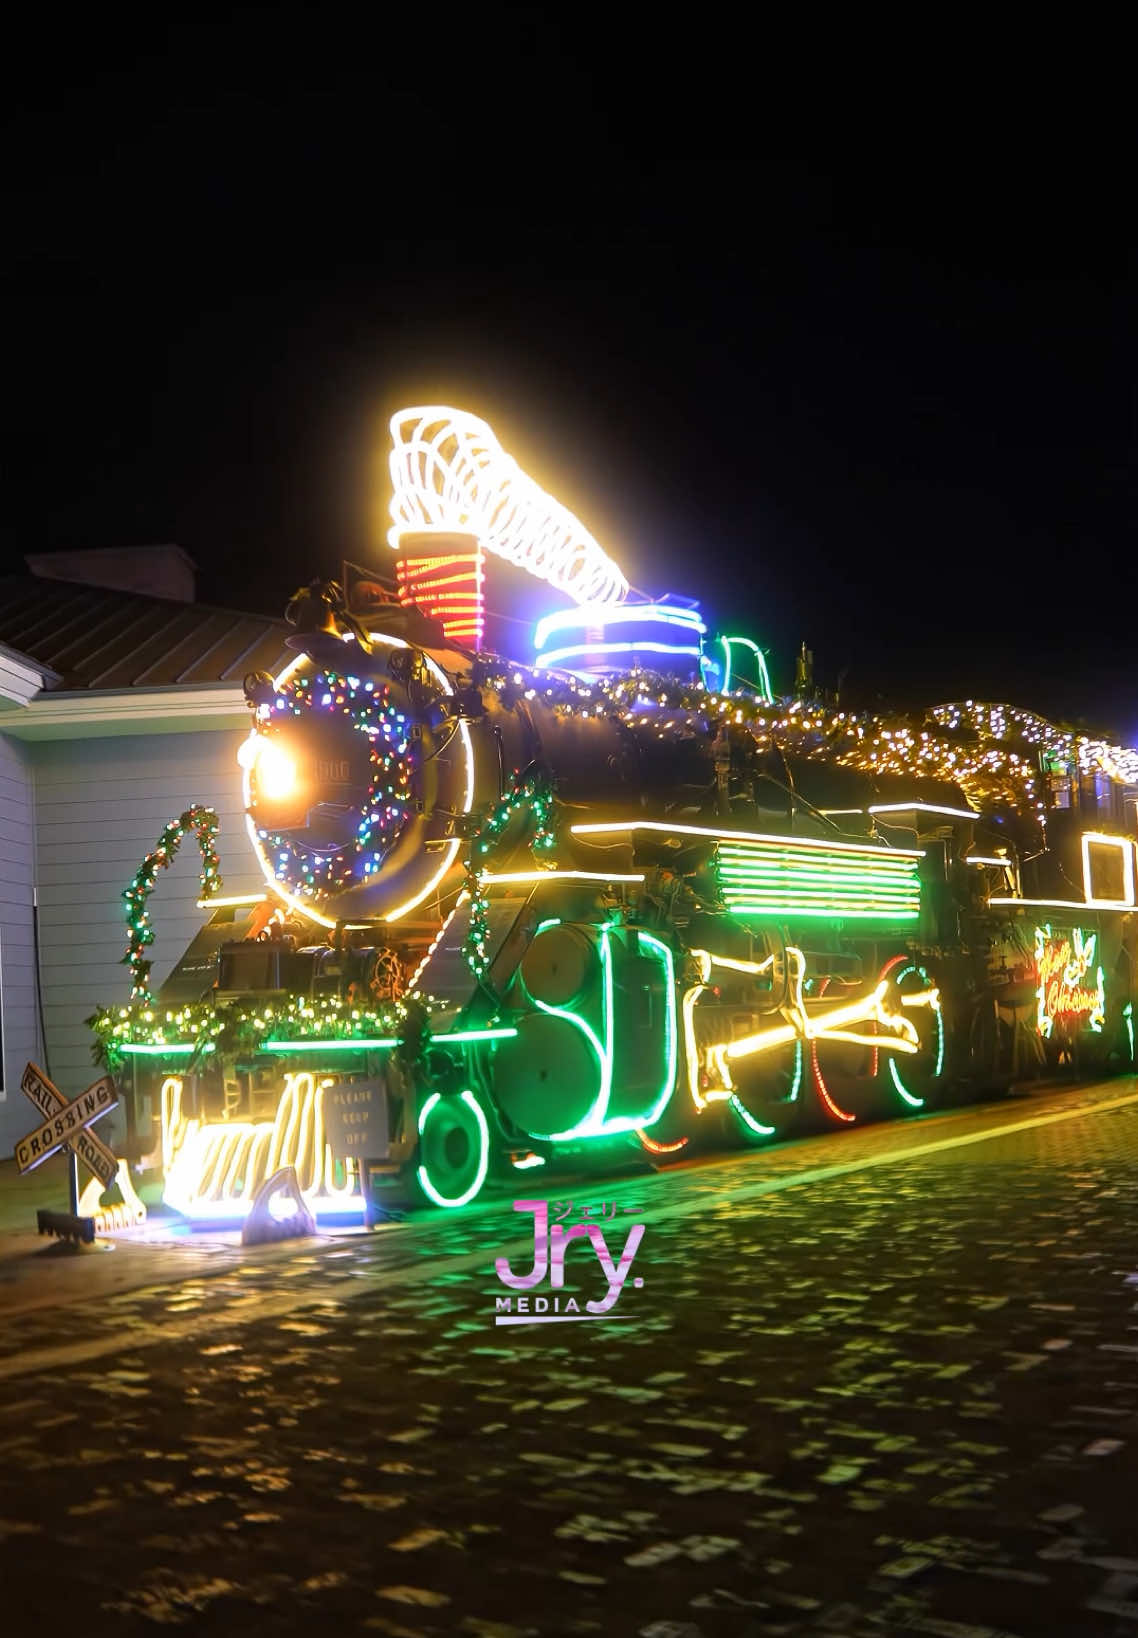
(615, 897)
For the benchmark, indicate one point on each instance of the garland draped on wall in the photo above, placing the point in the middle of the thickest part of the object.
(199, 821)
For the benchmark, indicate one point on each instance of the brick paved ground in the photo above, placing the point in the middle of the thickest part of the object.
(896, 1399)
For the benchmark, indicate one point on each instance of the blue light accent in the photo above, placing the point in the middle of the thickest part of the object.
(593, 615)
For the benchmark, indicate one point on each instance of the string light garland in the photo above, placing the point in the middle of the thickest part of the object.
(235, 1027)
(529, 795)
(996, 754)
(369, 708)
(199, 821)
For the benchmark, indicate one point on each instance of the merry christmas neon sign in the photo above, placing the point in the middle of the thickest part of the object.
(1068, 994)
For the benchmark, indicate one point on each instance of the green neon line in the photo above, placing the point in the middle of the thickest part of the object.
(744, 1113)
(811, 867)
(836, 914)
(158, 1050)
(807, 868)
(764, 674)
(748, 1119)
(671, 1048)
(338, 1044)
(506, 1033)
(467, 1195)
(821, 854)
(793, 891)
(849, 890)
(344, 1044)
(819, 901)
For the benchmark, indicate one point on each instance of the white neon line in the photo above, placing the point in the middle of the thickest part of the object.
(1126, 847)
(238, 898)
(922, 807)
(557, 876)
(1069, 904)
(553, 1319)
(605, 827)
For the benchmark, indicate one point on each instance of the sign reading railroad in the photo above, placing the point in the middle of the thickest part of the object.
(66, 1124)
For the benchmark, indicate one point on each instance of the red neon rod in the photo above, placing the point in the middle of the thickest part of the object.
(661, 1148)
(823, 1089)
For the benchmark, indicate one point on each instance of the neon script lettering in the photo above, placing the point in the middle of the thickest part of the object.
(550, 1246)
(1063, 965)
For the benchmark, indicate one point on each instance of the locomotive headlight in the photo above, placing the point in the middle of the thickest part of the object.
(276, 773)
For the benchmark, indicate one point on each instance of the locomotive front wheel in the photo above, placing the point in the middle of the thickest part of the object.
(915, 1079)
(454, 1149)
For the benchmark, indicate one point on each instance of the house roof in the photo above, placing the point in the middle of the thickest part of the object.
(92, 638)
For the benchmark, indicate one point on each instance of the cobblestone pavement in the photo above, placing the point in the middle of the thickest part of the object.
(881, 1382)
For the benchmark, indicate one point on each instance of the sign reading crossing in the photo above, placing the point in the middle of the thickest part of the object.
(66, 1125)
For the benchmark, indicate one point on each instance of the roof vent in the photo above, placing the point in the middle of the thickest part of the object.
(155, 571)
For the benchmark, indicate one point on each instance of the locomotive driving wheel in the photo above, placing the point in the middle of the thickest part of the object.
(915, 1079)
(765, 1104)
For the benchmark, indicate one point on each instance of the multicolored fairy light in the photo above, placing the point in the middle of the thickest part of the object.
(529, 795)
(311, 871)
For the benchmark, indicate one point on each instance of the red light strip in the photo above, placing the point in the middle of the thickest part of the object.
(823, 1089)
(661, 1148)
(454, 599)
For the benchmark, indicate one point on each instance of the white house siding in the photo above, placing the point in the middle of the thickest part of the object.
(17, 963)
(100, 808)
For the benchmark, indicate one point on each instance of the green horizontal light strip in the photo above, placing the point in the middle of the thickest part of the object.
(152, 1049)
(817, 861)
(790, 890)
(344, 1045)
(768, 878)
(818, 882)
(789, 861)
(327, 1046)
(310, 1044)
(837, 912)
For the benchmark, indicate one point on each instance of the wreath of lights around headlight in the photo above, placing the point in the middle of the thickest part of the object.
(369, 708)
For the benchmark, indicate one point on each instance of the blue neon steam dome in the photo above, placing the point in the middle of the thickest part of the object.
(603, 639)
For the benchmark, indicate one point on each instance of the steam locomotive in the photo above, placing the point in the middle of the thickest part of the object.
(617, 901)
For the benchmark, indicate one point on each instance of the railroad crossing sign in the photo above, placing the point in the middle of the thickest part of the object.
(66, 1125)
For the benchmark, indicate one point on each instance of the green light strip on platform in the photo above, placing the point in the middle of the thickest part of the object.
(388, 1042)
(151, 1049)
(360, 1044)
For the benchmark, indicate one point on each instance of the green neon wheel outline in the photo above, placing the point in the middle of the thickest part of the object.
(671, 1039)
(756, 1127)
(596, 1123)
(434, 1195)
(910, 1098)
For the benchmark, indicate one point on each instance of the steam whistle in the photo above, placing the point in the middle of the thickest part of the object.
(804, 671)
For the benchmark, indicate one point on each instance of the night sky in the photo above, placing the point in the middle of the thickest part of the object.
(870, 388)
